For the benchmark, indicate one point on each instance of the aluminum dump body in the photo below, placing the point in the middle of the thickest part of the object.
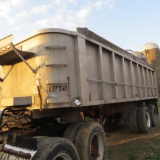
(65, 66)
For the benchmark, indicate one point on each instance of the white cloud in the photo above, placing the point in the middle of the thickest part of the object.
(41, 8)
(72, 1)
(84, 13)
(4, 7)
(22, 15)
(9, 5)
(32, 11)
(92, 6)
(58, 2)
(28, 15)
(16, 3)
(99, 4)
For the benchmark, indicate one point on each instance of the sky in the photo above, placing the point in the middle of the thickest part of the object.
(127, 23)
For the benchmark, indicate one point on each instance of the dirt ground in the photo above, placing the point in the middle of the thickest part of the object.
(125, 145)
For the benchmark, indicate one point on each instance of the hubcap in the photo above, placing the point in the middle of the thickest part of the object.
(96, 147)
(148, 120)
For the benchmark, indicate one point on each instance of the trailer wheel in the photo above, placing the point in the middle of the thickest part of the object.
(55, 148)
(91, 142)
(153, 114)
(71, 131)
(133, 120)
(144, 120)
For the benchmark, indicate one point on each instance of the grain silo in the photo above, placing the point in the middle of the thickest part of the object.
(152, 53)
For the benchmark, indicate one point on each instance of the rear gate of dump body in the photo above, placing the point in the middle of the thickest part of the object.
(47, 73)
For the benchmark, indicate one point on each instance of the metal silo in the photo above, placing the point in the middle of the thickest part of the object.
(152, 54)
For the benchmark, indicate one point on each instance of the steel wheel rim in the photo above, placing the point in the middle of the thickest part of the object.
(96, 147)
(62, 156)
(148, 120)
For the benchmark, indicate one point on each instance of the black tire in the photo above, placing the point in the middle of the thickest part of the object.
(91, 142)
(71, 131)
(144, 120)
(40, 138)
(153, 114)
(133, 120)
(54, 148)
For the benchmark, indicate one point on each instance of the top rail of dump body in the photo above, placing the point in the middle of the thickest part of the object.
(90, 36)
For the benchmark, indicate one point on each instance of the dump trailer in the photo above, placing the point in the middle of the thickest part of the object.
(59, 89)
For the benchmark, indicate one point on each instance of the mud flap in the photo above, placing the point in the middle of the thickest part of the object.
(18, 147)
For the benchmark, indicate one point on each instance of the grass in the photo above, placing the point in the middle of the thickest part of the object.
(153, 157)
(146, 151)
(132, 157)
